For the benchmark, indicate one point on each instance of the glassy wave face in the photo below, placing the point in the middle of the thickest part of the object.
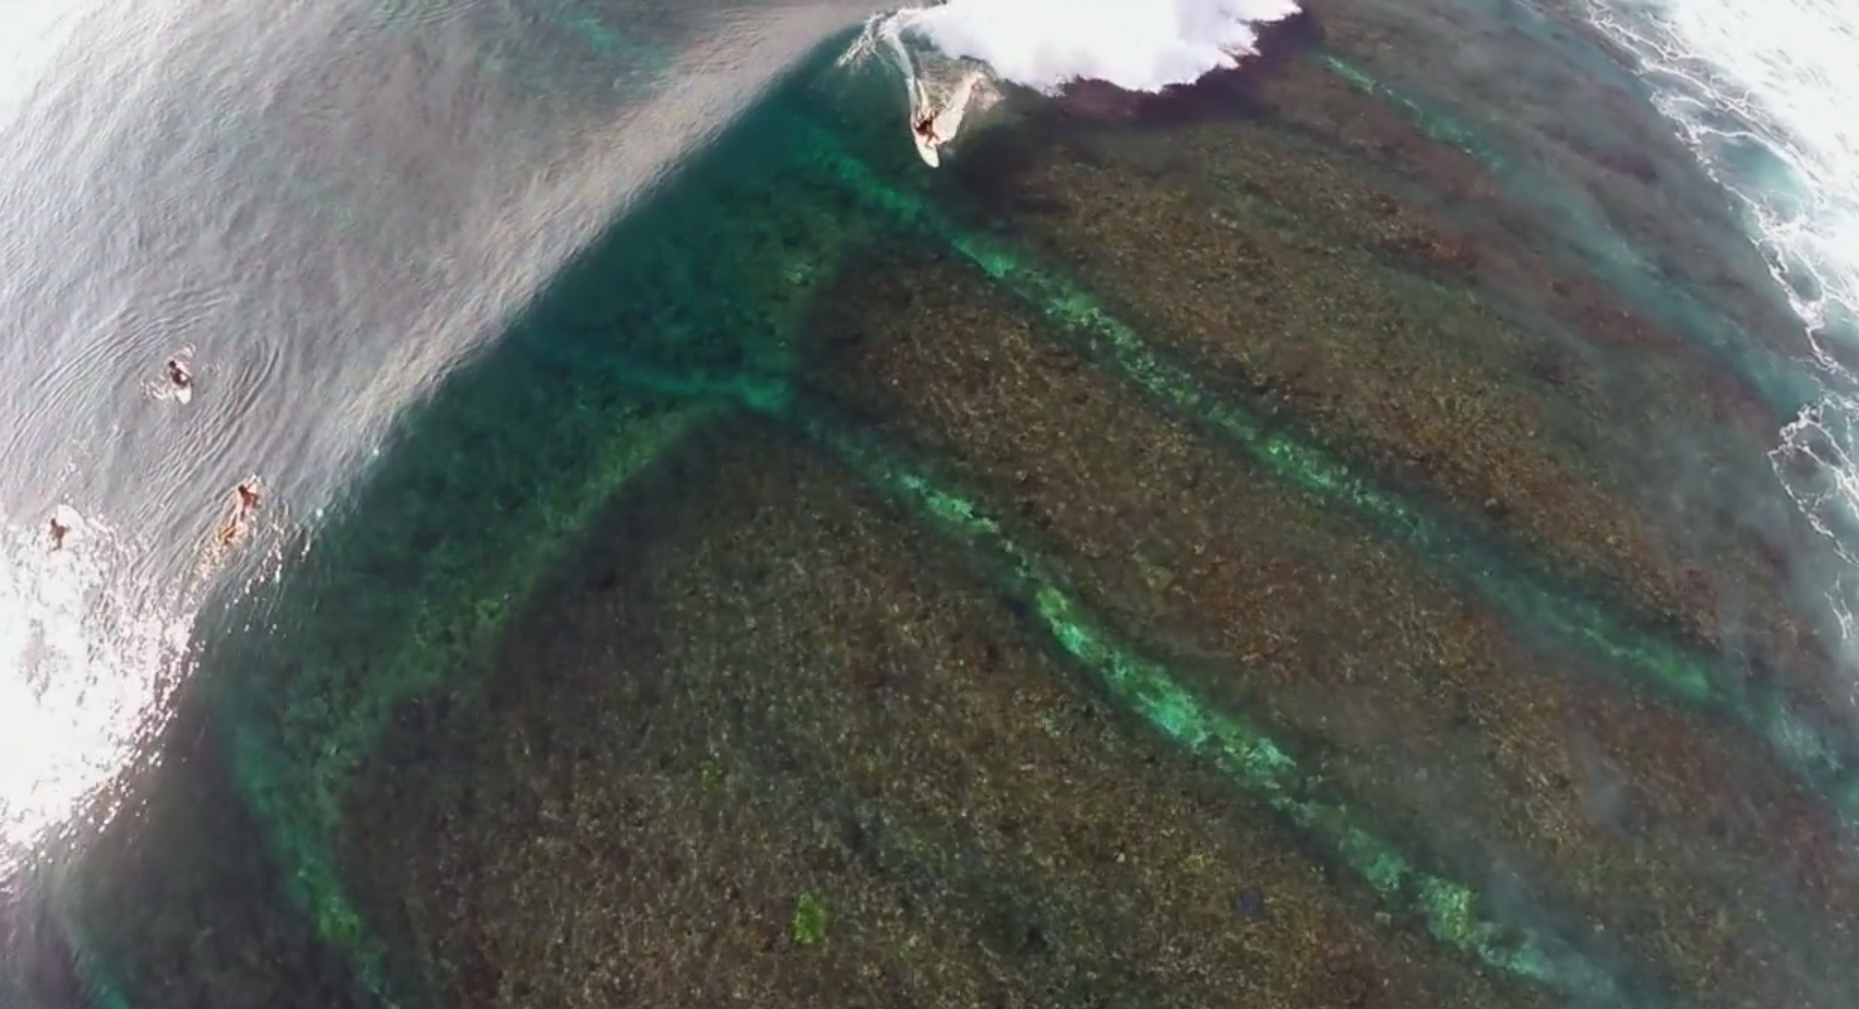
(320, 209)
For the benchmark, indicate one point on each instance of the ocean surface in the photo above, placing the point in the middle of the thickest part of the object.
(1756, 92)
(534, 321)
(324, 211)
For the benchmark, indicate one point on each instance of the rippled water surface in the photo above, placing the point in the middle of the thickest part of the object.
(323, 209)
(1309, 539)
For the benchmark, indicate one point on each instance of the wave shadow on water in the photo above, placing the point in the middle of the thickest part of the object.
(325, 211)
(473, 500)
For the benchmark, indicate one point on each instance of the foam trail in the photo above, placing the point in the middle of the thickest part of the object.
(950, 55)
(1759, 91)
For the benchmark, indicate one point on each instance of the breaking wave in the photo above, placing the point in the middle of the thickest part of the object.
(954, 56)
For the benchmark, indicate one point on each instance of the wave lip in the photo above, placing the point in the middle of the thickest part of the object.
(951, 55)
(1137, 45)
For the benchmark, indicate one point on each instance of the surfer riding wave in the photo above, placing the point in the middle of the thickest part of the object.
(942, 91)
(954, 57)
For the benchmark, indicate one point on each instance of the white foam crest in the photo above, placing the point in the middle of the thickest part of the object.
(1763, 92)
(1137, 45)
(951, 55)
(81, 675)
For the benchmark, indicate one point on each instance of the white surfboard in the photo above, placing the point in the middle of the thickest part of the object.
(927, 75)
(926, 149)
(66, 517)
(949, 120)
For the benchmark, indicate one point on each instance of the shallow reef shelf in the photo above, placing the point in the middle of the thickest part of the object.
(543, 505)
(483, 495)
(692, 314)
(299, 804)
(1520, 586)
(1451, 911)
(1782, 386)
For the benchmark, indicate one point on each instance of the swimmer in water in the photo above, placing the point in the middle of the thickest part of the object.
(64, 522)
(180, 380)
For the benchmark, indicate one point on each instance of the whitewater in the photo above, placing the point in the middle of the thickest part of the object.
(952, 57)
(1762, 92)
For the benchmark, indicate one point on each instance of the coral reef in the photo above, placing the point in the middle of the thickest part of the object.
(1265, 545)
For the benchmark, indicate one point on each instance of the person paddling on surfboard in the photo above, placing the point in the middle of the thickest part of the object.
(247, 495)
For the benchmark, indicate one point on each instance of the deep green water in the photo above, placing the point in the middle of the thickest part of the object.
(690, 310)
(484, 492)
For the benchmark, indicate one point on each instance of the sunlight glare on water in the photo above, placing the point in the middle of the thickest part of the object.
(30, 31)
(77, 670)
(327, 209)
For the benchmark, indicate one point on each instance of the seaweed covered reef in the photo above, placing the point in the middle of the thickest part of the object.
(1248, 546)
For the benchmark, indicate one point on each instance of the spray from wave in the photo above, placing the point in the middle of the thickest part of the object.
(953, 56)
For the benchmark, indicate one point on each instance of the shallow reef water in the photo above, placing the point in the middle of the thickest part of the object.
(1303, 541)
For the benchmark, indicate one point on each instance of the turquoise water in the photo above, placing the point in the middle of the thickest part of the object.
(552, 331)
(325, 213)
